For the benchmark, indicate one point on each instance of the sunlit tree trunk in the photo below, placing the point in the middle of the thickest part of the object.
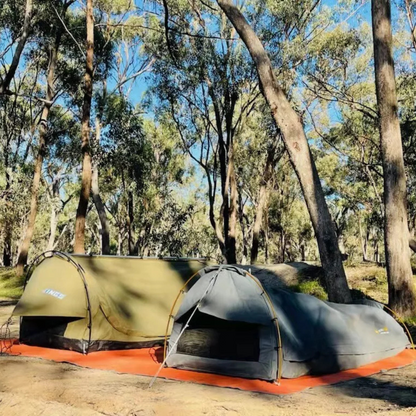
(130, 224)
(79, 246)
(4, 85)
(262, 202)
(231, 237)
(54, 213)
(43, 130)
(7, 248)
(98, 202)
(396, 231)
(298, 149)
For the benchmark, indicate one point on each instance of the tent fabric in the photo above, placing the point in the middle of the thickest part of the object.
(316, 337)
(89, 303)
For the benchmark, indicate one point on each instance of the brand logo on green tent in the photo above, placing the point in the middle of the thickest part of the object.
(54, 293)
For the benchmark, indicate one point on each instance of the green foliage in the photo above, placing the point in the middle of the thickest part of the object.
(11, 286)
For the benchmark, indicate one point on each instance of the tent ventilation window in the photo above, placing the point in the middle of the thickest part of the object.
(211, 337)
(42, 327)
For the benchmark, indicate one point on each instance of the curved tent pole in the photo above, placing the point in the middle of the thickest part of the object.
(400, 321)
(181, 292)
(53, 253)
(210, 285)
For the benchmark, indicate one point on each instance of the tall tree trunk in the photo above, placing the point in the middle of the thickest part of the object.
(243, 227)
(231, 184)
(282, 246)
(262, 202)
(7, 248)
(98, 202)
(130, 225)
(5, 84)
(54, 213)
(396, 232)
(297, 146)
(266, 239)
(364, 239)
(263, 195)
(43, 131)
(79, 246)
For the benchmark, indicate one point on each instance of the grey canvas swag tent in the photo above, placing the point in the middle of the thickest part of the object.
(230, 323)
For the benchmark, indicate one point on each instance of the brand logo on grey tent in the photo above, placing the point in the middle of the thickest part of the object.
(54, 293)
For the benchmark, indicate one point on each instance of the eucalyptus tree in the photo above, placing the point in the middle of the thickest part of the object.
(52, 46)
(297, 146)
(402, 296)
(204, 80)
(79, 245)
(21, 35)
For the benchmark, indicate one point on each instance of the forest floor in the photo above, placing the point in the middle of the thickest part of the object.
(30, 386)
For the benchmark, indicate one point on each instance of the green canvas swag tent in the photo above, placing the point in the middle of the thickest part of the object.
(235, 324)
(91, 303)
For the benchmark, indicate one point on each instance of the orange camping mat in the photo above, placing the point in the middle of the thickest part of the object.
(146, 362)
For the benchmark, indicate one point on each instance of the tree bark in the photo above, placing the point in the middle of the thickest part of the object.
(98, 202)
(231, 184)
(297, 146)
(396, 231)
(262, 202)
(130, 223)
(4, 86)
(7, 248)
(43, 131)
(54, 213)
(79, 246)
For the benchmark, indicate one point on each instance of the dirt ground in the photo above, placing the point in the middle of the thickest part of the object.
(30, 386)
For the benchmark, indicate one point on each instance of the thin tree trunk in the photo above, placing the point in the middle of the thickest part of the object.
(244, 230)
(262, 202)
(4, 86)
(263, 196)
(54, 213)
(297, 146)
(119, 241)
(363, 239)
(98, 202)
(79, 246)
(266, 239)
(130, 225)
(282, 247)
(396, 232)
(231, 184)
(7, 249)
(302, 251)
(43, 131)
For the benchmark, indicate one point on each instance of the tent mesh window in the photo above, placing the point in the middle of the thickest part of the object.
(211, 337)
(43, 326)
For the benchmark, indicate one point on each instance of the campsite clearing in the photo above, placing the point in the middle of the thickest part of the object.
(30, 386)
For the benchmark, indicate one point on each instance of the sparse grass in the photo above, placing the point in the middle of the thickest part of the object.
(368, 280)
(11, 286)
(311, 287)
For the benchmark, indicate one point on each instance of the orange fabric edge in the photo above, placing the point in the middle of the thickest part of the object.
(144, 362)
